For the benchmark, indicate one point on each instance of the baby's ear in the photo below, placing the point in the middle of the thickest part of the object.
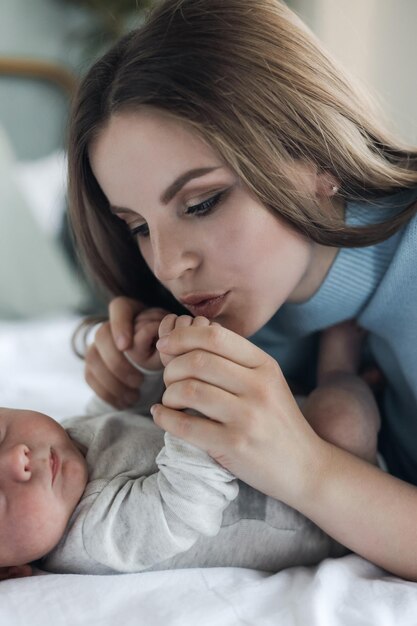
(15, 571)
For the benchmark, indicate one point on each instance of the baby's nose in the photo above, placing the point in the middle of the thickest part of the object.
(18, 463)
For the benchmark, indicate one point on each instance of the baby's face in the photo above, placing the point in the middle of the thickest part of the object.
(42, 477)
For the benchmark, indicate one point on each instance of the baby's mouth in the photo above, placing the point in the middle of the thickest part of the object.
(55, 464)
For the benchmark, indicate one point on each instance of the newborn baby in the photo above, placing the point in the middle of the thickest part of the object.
(111, 492)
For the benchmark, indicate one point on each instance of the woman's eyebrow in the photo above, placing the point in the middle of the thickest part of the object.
(182, 180)
(174, 187)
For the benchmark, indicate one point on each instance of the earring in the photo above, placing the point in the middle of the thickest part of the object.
(335, 189)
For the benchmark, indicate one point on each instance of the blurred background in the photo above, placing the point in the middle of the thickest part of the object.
(46, 45)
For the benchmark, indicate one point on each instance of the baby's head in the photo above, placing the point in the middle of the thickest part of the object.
(42, 477)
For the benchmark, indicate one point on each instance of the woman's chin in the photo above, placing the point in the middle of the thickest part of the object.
(239, 326)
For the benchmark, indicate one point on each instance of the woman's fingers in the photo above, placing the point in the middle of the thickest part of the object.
(215, 339)
(130, 329)
(122, 312)
(209, 368)
(215, 403)
(108, 387)
(105, 360)
(197, 430)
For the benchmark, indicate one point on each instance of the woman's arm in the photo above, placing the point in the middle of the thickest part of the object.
(258, 432)
(369, 511)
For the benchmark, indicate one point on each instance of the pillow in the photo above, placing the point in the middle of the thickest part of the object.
(35, 277)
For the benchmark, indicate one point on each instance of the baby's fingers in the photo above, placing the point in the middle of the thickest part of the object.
(167, 324)
(150, 315)
(212, 338)
(202, 321)
(174, 321)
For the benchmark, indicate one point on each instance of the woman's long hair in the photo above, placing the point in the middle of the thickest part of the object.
(254, 82)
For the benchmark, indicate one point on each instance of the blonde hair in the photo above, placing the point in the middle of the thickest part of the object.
(255, 83)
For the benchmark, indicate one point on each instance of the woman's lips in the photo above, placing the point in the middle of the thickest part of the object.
(55, 464)
(209, 307)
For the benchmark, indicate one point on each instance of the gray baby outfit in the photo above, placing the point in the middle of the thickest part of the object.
(155, 502)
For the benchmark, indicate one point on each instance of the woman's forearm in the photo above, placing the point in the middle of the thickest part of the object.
(372, 513)
(256, 430)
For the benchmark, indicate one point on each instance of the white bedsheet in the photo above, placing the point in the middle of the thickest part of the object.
(37, 370)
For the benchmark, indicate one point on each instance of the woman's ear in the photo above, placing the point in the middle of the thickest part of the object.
(308, 178)
(15, 571)
(327, 185)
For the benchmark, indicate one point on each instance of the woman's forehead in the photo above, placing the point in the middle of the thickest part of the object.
(153, 149)
(151, 130)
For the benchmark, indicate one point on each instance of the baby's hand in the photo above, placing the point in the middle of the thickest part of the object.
(172, 321)
(145, 336)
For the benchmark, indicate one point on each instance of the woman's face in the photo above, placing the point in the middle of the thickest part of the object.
(206, 238)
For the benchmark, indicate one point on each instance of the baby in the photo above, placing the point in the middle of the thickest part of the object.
(111, 492)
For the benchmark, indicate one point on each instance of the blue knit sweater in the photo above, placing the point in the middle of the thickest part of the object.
(377, 285)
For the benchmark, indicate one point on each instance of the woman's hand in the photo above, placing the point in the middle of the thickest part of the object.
(107, 370)
(145, 335)
(256, 429)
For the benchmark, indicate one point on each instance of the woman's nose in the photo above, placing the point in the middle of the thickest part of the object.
(171, 256)
(15, 463)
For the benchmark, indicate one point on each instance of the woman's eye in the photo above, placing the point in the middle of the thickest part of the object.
(204, 208)
(200, 209)
(140, 231)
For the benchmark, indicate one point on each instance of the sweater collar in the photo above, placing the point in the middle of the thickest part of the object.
(353, 276)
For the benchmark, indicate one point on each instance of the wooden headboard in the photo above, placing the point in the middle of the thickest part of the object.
(59, 76)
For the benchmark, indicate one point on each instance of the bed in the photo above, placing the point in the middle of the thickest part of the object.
(39, 371)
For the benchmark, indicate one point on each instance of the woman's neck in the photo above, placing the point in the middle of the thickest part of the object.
(322, 258)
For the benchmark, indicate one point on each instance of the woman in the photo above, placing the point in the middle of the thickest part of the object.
(221, 164)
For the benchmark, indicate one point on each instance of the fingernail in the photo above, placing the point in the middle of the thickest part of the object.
(162, 343)
(122, 342)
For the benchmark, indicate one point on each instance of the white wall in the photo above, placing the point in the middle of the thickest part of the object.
(377, 41)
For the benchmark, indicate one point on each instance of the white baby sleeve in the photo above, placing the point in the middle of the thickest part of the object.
(139, 522)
